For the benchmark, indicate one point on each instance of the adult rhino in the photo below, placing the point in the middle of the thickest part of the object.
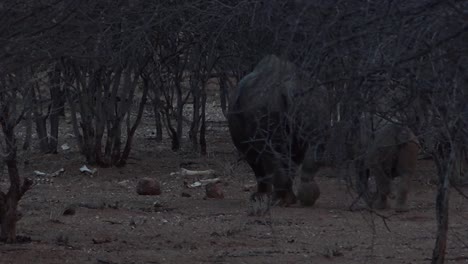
(271, 124)
(389, 152)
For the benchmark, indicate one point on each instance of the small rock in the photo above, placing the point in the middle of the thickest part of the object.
(85, 169)
(249, 187)
(215, 234)
(40, 173)
(57, 173)
(62, 239)
(65, 147)
(184, 194)
(214, 190)
(137, 221)
(23, 239)
(104, 261)
(101, 240)
(157, 204)
(124, 183)
(69, 211)
(148, 186)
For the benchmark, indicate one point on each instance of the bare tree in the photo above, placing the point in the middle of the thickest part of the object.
(25, 40)
(10, 115)
(103, 83)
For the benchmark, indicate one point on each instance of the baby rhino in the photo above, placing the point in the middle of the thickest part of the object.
(392, 153)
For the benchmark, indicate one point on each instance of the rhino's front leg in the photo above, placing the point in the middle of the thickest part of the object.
(406, 165)
(283, 186)
(281, 177)
(383, 187)
(402, 193)
(364, 199)
(308, 191)
(260, 200)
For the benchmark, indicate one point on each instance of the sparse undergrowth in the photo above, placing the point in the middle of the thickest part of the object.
(110, 223)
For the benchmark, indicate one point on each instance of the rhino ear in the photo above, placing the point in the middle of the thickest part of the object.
(404, 136)
(319, 151)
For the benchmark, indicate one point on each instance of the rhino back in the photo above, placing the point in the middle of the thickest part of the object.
(271, 83)
(394, 135)
(274, 102)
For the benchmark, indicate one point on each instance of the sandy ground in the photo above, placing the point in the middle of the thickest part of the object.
(112, 224)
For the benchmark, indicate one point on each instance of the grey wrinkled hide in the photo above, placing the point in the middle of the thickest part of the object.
(276, 87)
(390, 135)
(391, 151)
(346, 141)
(268, 86)
(272, 117)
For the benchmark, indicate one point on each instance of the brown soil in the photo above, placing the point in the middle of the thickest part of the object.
(112, 224)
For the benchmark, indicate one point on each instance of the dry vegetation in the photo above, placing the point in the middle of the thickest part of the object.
(139, 89)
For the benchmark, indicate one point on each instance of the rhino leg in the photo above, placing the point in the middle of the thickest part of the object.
(363, 200)
(264, 184)
(362, 182)
(383, 182)
(405, 166)
(402, 194)
(260, 200)
(263, 177)
(274, 172)
(308, 191)
(283, 185)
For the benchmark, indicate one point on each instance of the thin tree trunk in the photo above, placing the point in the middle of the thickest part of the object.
(56, 95)
(193, 133)
(41, 130)
(88, 86)
(179, 117)
(28, 125)
(155, 102)
(9, 201)
(88, 144)
(223, 92)
(445, 165)
(157, 113)
(159, 130)
(28, 120)
(117, 142)
(203, 123)
(110, 136)
(131, 131)
(74, 120)
(100, 159)
(100, 116)
(40, 121)
(175, 144)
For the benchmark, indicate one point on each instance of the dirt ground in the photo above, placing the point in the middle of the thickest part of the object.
(112, 224)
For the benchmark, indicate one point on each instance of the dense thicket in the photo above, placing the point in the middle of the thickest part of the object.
(100, 60)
